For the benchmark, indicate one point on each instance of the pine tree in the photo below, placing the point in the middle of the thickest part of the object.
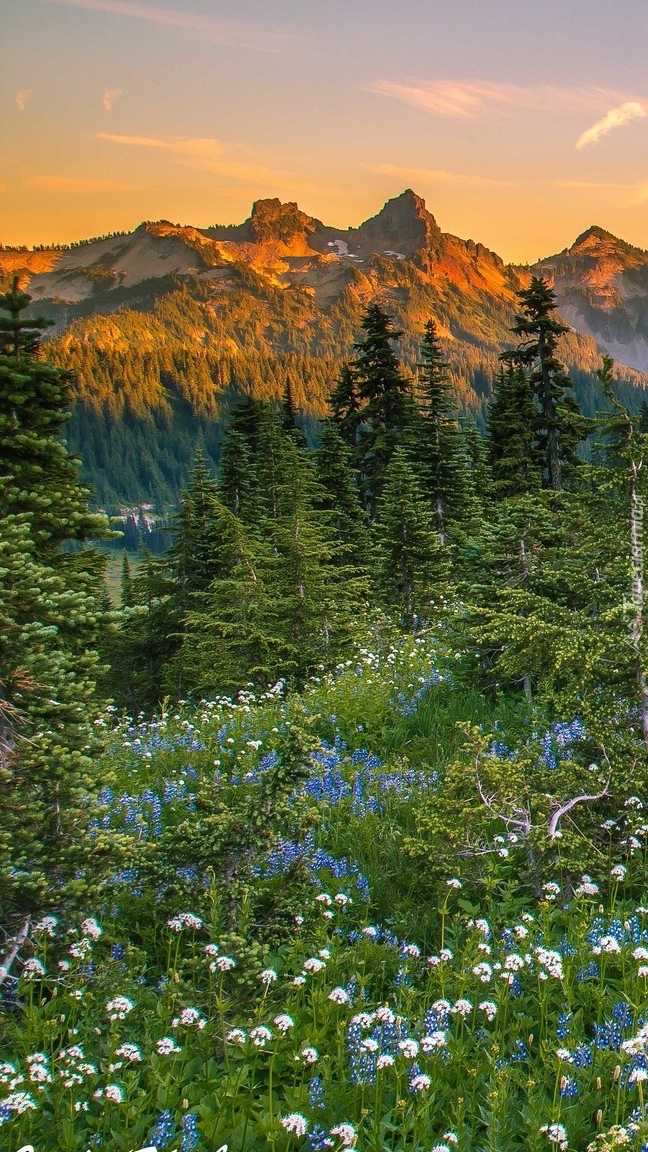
(386, 404)
(437, 446)
(559, 426)
(339, 497)
(289, 416)
(514, 457)
(50, 616)
(413, 568)
(345, 406)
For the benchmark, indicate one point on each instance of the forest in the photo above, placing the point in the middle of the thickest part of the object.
(328, 831)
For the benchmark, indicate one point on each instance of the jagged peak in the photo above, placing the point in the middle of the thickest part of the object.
(592, 235)
(273, 220)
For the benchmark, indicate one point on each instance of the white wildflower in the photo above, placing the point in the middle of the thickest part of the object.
(409, 1048)
(420, 1083)
(339, 996)
(284, 1022)
(166, 1045)
(260, 1036)
(119, 1007)
(295, 1123)
(434, 1040)
(346, 1133)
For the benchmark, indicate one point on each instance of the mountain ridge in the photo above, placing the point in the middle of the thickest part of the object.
(165, 325)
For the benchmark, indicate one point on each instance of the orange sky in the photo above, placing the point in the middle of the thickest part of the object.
(521, 122)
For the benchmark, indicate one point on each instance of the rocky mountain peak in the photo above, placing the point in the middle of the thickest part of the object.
(273, 221)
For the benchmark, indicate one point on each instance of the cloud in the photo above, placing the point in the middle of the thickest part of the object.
(22, 96)
(72, 184)
(440, 176)
(233, 33)
(109, 98)
(468, 101)
(181, 145)
(615, 118)
(208, 155)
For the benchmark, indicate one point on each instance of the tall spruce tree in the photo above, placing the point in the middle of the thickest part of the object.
(559, 426)
(413, 566)
(50, 617)
(338, 496)
(345, 406)
(438, 447)
(511, 420)
(386, 403)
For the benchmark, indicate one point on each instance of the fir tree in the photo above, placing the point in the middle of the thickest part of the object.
(559, 427)
(413, 567)
(345, 406)
(437, 442)
(50, 617)
(511, 419)
(387, 407)
(339, 496)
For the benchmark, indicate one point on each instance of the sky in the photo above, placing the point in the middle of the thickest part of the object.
(520, 122)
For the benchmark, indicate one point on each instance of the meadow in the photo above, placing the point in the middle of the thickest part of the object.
(313, 941)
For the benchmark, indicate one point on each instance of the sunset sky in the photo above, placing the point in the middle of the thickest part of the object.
(521, 122)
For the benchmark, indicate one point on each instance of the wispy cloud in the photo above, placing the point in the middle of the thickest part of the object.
(615, 118)
(180, 145)
(468, 101)
(22, 96)
(72, 184)
(217, 30)
(109, 98)
(440, 176)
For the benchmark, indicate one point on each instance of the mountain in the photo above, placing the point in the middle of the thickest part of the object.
(165, 325)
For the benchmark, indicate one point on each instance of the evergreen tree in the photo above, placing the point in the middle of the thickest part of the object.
(345, 406)
(514, 457)
(559, 427)
(437, 441)
(50, 616)
(339, 497)
(289, 416)
(237, 479)
(386, 404)
(413, 567)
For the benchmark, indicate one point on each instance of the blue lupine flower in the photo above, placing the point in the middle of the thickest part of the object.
(190, 1135)
(163, 1132)
(316, 1093)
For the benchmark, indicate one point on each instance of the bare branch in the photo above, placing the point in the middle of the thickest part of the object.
(5, 966)
(564, 808)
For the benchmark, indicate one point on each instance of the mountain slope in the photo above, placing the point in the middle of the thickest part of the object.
(164, 325)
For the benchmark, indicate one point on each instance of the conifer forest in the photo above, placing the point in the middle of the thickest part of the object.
(325, 828)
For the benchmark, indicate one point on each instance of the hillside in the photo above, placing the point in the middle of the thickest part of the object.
(164, 325)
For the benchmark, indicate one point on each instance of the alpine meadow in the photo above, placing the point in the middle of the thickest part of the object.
(323, 591)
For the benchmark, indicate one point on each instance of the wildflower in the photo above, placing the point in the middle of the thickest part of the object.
(119, 1008)
(638, 1075)
(565, 1054)
(114, 1093)
(165, 1046)
(420, 1083)
(369, 1044)
(342, 900)
(483, 926)
(483, 971)
(130, 1052)
(91, 928)
(441, 1148)
(409, 1048)
(313, 964)
(513, 962)
(299, 980)
(268, 976)
(462, 1007)
(586, 888)
(296, 1123)
(640, 953)
(260, 1036)
(384, 1014)
(385, 1061)
(551, 961)
(489, 1007)
(445, 955)
(189, 1018)
(339, 996)
(284, 1022)
(556, 1134)
(311, 1055)
(411, 950)
(47, 925)
(237, 1036)
(618, 873)
(434, 1040)
(32, 969)
(451, 1137)
(454, 883)
(184, 920)
(224, 963)
(190, 1135)
(19, 1102)
(324, 954)
(520, 931)
(370, 931)
(364, 1019)
(211, 949)
(346, 1133)
(551, 890)
(642, 970)
(324, 898)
